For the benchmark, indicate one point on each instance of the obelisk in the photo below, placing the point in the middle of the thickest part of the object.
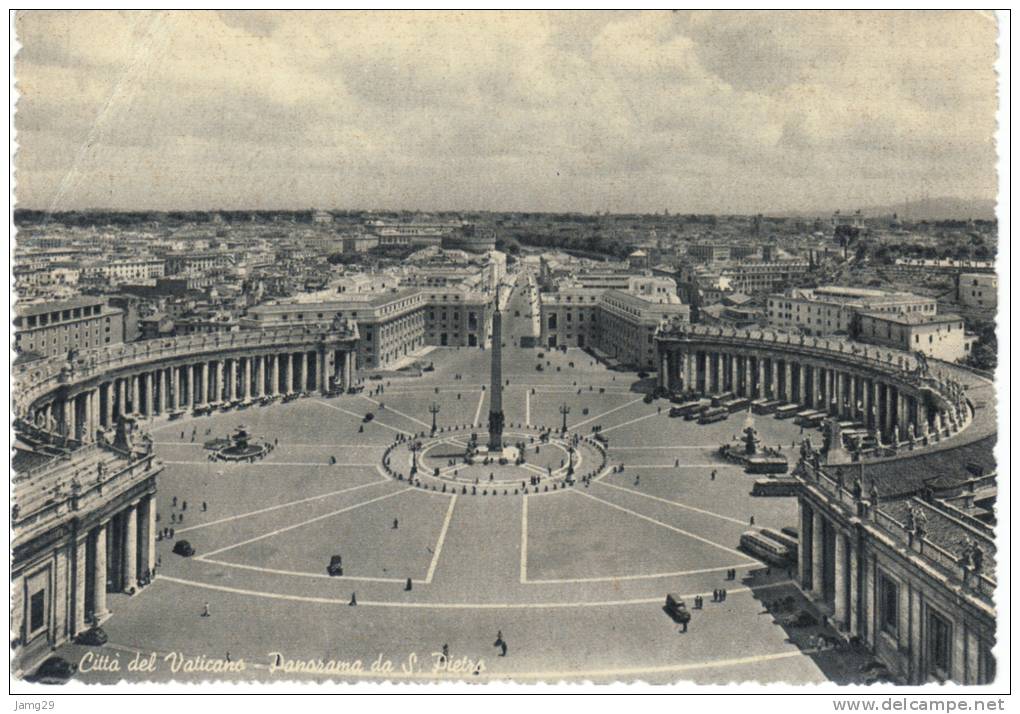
(496, 387)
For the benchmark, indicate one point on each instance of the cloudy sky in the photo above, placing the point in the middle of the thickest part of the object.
(702, 112)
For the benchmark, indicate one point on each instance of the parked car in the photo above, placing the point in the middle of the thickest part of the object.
(93, 637)
(55, 670)
(676, 608)
(184, 549)
(335, 567)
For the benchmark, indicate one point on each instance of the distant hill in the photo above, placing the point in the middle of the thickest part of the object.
(937, 209)
(927, 209)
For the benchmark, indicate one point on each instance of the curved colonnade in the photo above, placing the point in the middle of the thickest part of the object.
(898, 396)
(78, 397)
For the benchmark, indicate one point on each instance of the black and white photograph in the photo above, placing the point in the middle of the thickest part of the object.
(509, 348)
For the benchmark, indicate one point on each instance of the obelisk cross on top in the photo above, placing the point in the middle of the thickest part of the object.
(496, 388)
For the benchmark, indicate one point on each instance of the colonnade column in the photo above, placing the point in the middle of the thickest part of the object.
(80, 574)
(803, 549)
(840, 582)
(232, 378)
(175, 377)
(817, 553)
(876, 417)
(802, 397)
(747, 377)
(121, 397)
(150, 535)
(260, 375)
(135, 394)
(149, 393)
(274, 380)
(761, 377)
(221, 393)
(130, 550)
(246, 386)
(99, 573)
(350, 364)
(840, 394)
(96, 413)
(854, 588)
(309, 366)
(787, 380)
(664, 371)
(110, 418)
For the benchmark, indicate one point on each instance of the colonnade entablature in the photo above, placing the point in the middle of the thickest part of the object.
(89, 390)
(901, 398)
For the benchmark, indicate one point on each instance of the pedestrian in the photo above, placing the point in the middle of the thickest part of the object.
(184, 505)
(683, 626)
(204, 506)
(395, 524)
(205, 612)
(446, 654)
(752, 520)
(713, 474)
(175, 502)
(173, 517)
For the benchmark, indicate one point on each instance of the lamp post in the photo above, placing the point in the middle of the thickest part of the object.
(564, 410)
(433, 410)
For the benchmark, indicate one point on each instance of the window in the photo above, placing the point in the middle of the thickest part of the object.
(940, 639)
(37, 612)
(888, 606)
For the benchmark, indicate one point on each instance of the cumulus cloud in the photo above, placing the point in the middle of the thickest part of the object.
(694, 111)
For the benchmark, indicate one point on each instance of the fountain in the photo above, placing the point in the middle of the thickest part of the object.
(240, 446)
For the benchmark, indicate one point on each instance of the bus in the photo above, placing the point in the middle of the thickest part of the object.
(713, 414)
(683, 410)
(780, 537)
(809, 417)
(737, 405)
(764, 548)
(787, 411)
(764, 406)
(719, 399)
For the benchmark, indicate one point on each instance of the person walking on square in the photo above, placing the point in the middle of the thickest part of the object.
(205, 611)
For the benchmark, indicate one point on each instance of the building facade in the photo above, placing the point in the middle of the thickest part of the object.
(56, 327)
(892, 575)
(832, 310)
(940, 336)
(978, 290)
